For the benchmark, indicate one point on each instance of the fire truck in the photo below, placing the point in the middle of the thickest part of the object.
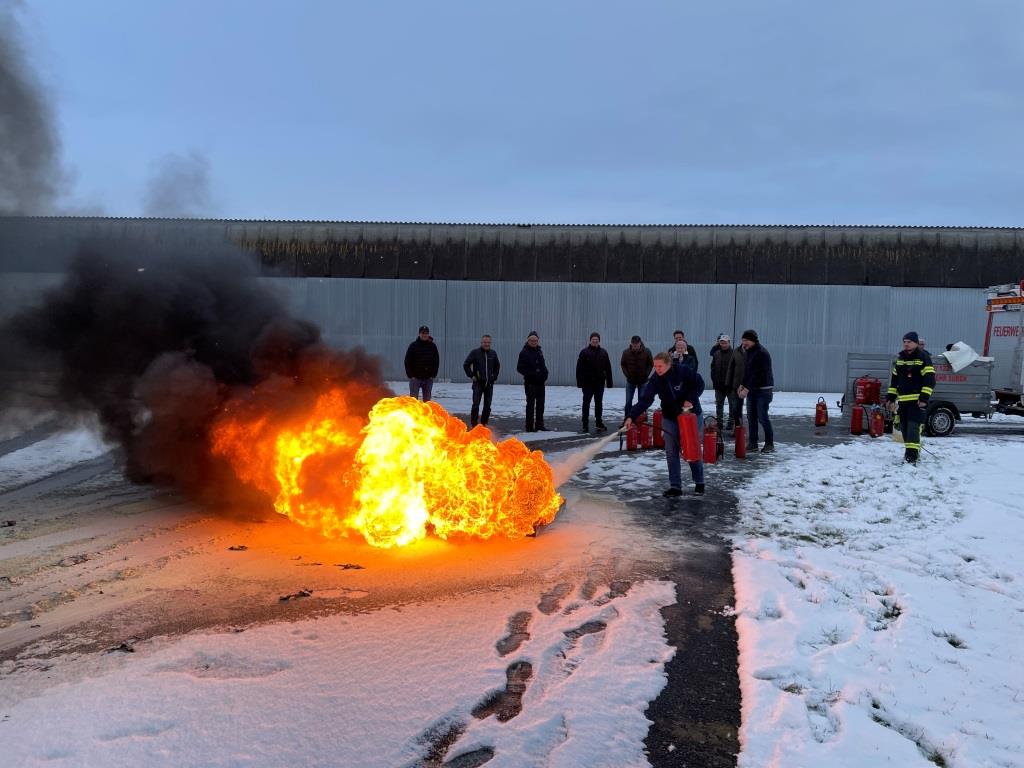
(991, 382)
(1004, 341)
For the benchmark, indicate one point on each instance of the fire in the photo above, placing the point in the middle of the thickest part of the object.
(405, 470)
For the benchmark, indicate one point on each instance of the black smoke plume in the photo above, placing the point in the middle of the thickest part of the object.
(30, 168)
(157, 344)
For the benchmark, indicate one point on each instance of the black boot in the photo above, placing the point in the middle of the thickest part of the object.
(529, 427)
(672, 492)
(601, 427)
(586, 428)
(768, 448)
(910, 456)
(541, 428)
(698, 488)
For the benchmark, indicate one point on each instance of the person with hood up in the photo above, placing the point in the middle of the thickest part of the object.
(534, 370)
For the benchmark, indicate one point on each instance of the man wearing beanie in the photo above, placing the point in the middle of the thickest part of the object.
(913, 378)
(758, 383)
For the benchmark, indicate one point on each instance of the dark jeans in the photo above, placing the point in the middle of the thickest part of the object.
(534, 406)
(631, 389)
(758, 401)
(415, 385)
(487, 390)
(671, 429)
(597, 394)
(735, 405)
(911, 419)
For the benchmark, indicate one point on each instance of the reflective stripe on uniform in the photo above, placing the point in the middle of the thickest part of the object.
(908, 398)
(926, 390)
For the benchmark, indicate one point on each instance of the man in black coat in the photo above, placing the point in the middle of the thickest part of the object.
(758, 382)
(422, 362)
(722, 365)
(482, 367)
(534, 371)
(593, 374)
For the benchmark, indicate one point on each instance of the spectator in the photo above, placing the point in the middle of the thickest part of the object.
(421, 364)
(534, 371)
(734, 377)
(679, 386)
(674, 351)
(482, 366)
(593, 374)
(721, 364)
(637, 364)
(758, 383)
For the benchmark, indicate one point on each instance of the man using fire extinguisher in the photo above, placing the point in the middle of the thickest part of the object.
(679, 386)
(913, 378)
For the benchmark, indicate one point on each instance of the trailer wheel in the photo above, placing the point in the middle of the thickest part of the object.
(941, 421)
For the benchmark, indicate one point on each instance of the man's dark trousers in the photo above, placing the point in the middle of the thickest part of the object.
(487, 391)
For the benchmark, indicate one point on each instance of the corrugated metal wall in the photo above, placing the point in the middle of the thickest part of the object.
(808, 329)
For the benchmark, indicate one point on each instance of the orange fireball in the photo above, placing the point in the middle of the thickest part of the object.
(406, 470)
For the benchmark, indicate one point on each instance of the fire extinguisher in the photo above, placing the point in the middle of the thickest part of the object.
(710, 440)
(876, 422)
(857, 420)
(658, 436)
(741, 441)
(688, 441)
(821, 413)
(644, 440)
(632, 435)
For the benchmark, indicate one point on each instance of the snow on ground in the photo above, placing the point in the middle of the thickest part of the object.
(385, 688)
(47, 457)
(881, 606)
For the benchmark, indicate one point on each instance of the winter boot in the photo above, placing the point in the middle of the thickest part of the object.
(586, 427)
(910, 456)
(541, 428)
(601, 427)
(671, 492)
(768, 448)
(698, 488)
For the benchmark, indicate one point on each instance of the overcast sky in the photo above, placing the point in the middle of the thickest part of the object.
(775, 112)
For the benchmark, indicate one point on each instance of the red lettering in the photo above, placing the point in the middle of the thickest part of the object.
(950, 377)
(1005, 330)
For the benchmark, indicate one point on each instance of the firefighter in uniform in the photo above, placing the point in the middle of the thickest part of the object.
(913, 378)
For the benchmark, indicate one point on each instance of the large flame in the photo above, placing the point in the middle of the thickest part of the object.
(406, 470)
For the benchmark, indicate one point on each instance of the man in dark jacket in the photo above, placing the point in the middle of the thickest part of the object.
(593, 374)
(734, 380)
(534, 371)
(678, 386)
(678, 349)
(722, 362)
(421, 363)
(758, 383)
(911, 384)
(637, 364)
(482, 367)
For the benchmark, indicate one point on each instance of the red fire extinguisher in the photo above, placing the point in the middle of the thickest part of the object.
(632, 435)
(644, 439)
(741, 441)
(867, 390)
(710, 440)
(688, 441)
(658, 435)
(876, 422)
(821, 413)
(857, 420)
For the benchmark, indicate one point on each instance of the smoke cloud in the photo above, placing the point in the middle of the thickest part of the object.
(157, 344)
(30, 168)
(179, 187)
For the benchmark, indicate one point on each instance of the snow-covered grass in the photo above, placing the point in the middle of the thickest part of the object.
(881, 606)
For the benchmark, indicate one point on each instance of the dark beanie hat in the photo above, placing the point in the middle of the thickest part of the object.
(533, 333)
(911, 336)
(750, 334)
